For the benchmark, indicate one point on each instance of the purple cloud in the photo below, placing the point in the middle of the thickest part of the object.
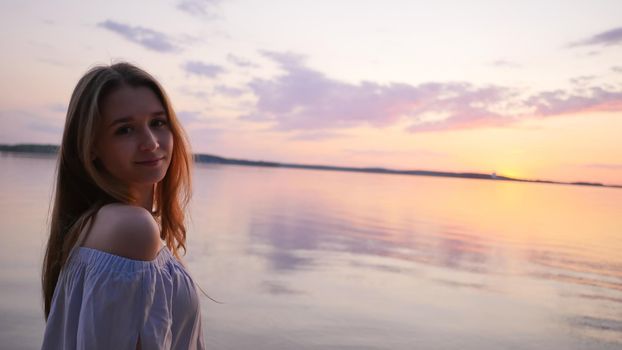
(559, 102)
(229, 91)
(145, 37)
(607, 38)
(203, 69)
(306, 100)
(201, 8)
(241, 62)
(583, 80)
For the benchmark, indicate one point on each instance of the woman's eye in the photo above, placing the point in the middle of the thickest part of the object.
(159, 122)
(123, 130)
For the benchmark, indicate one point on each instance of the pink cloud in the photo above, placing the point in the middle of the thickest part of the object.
(595, 99)
(465, 120)
(303, 99)
(306, 100)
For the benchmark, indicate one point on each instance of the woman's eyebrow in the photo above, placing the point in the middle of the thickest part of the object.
(128, 119)
(120, 120)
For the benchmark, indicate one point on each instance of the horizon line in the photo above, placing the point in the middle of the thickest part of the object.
(209, 158)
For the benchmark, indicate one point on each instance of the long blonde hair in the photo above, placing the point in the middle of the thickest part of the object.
(82, 188)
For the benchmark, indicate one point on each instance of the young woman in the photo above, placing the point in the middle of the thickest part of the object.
(112, 274)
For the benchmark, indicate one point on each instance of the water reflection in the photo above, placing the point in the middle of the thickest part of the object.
(598, 327)
(287, 236)
(321, 260)
(578, 265)
(471, 256)
(278, 288)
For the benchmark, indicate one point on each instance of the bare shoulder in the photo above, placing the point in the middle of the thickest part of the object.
(125, 230)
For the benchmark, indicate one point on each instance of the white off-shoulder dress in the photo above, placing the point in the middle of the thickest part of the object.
(105, 301)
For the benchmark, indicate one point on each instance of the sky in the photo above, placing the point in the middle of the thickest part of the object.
(529, 89)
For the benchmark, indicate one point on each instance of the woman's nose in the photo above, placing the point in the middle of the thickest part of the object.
(149, 142)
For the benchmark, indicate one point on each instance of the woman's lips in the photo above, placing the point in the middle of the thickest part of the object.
(150, 162)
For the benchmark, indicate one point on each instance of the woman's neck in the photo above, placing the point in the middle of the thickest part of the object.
(145, 197)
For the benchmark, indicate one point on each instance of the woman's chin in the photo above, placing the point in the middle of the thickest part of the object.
(149, 180)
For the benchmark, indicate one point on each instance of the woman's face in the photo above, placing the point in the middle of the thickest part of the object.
(134, 143)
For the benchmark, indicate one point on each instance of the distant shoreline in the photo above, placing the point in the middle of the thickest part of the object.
(207, 158)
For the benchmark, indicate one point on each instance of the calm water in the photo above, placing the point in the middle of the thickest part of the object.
(327, 260)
